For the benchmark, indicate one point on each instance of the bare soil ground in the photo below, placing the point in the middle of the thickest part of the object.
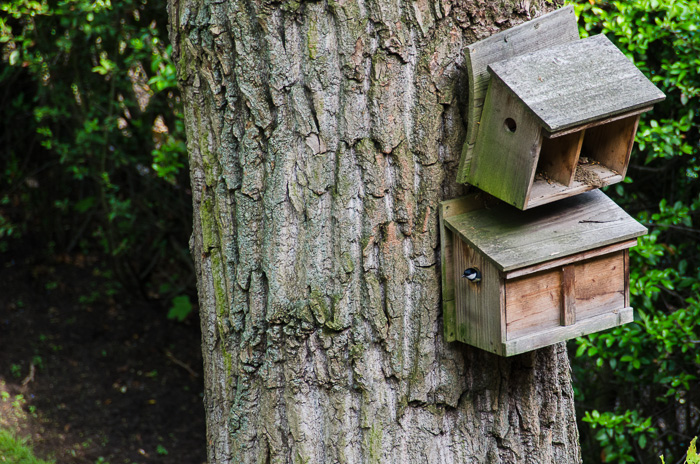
(92, 375)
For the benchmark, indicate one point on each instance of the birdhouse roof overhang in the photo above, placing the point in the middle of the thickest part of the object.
(576, 83)
(512, 239)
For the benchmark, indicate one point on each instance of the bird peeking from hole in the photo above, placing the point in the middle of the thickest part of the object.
(472, 275)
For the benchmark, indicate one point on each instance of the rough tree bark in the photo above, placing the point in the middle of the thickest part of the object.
(322, 136)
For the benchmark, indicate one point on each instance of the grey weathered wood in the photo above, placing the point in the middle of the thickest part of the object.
(559, 157)
(568, 295)
(479, 312)
(507, 159)
(563, 333)
(570, 259)
(576, 82)
(553, 28)
(448, 209)
(512, 239)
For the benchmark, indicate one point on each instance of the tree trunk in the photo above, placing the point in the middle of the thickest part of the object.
(322, 136)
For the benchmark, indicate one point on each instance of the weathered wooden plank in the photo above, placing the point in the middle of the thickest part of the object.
(563, 333)
(507, 151)
(478, 318)
(568, 294)
(448, 209)
(576, 82)
(512, 239)
(626, 260)
(559, 157)
(598, 122)
(611, 144)
(533, 303)
(547, 30)
(570, 259)
(599, 285)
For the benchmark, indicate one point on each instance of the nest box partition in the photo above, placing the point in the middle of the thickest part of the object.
(514, 281)
(550, 116)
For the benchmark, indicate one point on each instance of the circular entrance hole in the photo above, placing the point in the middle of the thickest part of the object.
(510, 124)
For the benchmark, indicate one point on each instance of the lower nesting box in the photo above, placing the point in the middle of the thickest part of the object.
(544, 275)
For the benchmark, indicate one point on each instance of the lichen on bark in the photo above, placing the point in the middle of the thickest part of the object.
(322, 136)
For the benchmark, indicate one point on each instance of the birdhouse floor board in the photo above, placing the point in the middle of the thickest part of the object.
(591, 177)
(563, 333)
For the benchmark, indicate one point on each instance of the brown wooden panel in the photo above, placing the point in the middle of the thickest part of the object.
(611, 144)
(568, 294)
(559, 157)
(562, 333)
(533, 303)
(572, 258)
(477, 305)
(600, 285)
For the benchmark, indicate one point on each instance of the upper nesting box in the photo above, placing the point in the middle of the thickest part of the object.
(556, 121)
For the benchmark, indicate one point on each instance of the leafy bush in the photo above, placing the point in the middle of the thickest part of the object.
(644, 375)
(93, 158)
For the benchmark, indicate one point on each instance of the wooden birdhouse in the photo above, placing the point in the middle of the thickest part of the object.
(554, 122)
(514, 281)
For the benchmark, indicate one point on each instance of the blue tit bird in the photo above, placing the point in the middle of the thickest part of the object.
(472, 275)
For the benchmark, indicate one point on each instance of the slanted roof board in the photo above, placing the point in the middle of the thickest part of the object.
(513, 239)
(576, 82)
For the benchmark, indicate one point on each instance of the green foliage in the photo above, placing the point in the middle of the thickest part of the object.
(620, 433)
(92, 149)
(14, 450)
(644, 375)
(691, 457)
(181, 308)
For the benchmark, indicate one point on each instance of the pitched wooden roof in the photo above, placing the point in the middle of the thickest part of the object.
(576, 82)
(513, 239)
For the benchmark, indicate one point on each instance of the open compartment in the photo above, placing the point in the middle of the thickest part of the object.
(585, 159)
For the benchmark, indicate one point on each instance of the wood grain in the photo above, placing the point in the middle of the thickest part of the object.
(559, 157)
(478, 305)
(611, 144)
(513, 239)
(576, 82)
(563, 333)
(568, 294)
(533, 303)
(570, 259)
(553, 28)
(504, 160)
(600, 285)
(448, 209)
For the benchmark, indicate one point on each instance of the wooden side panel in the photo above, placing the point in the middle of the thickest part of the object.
(568, 295)
(533, 303)
(448, 209)
(478, 305)
(559, 157)
(507, 148)
(611, 144)
(547, 30)
(600, 285)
